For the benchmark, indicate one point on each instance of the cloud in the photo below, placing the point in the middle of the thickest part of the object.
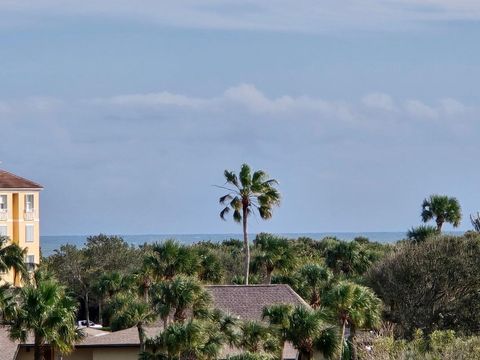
(167, 148)
(452, 106)
(245, 96)
(152, 99)
(279, 15)
(418, 109)
(379, 101)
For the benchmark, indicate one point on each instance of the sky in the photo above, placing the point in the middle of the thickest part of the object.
(128, 112)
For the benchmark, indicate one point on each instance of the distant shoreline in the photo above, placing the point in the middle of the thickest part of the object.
(51, 242)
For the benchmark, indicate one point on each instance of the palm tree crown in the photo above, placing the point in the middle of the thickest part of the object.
(12, 257)
(355, 306)
(273, 253)
(248, 193)
(443, 209)
(308, 330)
(45, 310)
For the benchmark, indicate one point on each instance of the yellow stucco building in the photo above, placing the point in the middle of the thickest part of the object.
(20, 218)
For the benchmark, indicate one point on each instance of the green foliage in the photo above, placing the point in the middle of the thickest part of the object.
(180, 296)
(80, 269)
(44, 309)
(432, 285)
(443, 209)
(445, 345)
(308, 330)
(348, 258)
(255, 337)
(12, 257)
(353, 305)
(170, 258)
(273, 253)
(421, 233)
(193, 339)
(314, 279)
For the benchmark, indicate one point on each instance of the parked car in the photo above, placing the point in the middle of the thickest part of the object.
(83, 324)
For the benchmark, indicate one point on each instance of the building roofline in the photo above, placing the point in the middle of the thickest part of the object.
(36, 186)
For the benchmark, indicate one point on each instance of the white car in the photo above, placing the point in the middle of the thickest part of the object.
(83, 324)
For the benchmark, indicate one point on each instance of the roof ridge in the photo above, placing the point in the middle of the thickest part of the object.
(21, 178)
(296, 295)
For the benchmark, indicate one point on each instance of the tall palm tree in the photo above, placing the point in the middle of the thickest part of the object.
(248, 193)
(443, 209)
(355, 306)
(273, 253)
(314, 278)
(180, 296)
(12, 256)
(308, 330)
(45, 310)
(134, 312)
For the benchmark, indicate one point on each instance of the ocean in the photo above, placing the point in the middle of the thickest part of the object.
(50, 243)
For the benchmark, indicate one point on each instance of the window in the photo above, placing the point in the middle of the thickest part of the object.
(29, 231)
(30, 262)
(29, 203)
(3, 203)
(3, 230)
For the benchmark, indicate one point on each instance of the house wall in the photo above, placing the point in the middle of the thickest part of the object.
(15, 219)
(115, 353)
(89, 354)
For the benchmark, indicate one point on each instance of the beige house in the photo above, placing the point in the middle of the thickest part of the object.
(247, 302)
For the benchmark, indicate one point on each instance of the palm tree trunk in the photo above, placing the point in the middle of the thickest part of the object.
(352, 341)
(38, 349)
(145, 292)
(342, 339)
(141, 337)
(439, 225)
(269, 277)
(304, 355)
(246, 245)
(87, 311)
(100, 320)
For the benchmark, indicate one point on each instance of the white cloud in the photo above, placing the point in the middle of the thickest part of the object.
(153, 99)
(246, 96)
(379, 101)
(419, 109)
(452, 106)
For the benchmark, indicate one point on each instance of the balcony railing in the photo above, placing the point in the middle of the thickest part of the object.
(30, 215)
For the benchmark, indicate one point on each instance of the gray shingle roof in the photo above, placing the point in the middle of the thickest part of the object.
(248, 301)
(8, 348)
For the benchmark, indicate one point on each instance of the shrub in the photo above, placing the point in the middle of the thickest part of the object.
(432, 285)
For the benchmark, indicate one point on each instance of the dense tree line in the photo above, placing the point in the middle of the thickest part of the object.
(418, 297)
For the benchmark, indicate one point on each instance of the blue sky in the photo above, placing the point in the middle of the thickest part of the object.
(128, 112)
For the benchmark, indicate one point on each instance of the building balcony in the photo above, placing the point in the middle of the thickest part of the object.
(30, 215)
